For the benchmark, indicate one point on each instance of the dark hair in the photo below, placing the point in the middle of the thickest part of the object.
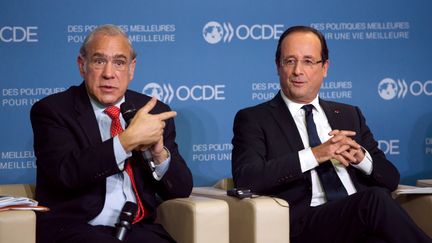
(324, 48)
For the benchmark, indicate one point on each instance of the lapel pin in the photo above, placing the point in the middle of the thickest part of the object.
(336, 111)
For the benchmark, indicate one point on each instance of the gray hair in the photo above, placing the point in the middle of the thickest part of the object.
(110, 30)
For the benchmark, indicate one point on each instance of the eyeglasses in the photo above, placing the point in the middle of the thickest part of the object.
(291, 62)
(99, 62)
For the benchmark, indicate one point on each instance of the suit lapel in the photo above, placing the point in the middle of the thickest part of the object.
(333, 114)
(285, 121)
(85, 115)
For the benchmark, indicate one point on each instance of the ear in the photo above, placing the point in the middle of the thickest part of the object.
(325, 68)
(132, 69)
(81, 65)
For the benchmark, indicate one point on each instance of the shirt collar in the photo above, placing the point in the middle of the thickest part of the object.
(99, 108)
(296, 108)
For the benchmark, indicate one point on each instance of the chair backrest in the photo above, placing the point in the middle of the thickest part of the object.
(18, 190)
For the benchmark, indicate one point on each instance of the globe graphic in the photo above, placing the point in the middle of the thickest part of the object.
(213, 32)
(387, 89)
(153, 89)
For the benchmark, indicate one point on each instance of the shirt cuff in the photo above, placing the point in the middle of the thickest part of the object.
(365, 165)
(307, 160)
(162, 168)
(120, 153)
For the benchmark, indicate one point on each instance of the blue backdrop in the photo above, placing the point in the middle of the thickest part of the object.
(209, 59)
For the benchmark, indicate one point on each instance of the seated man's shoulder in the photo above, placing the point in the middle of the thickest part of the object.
(339, 105)
(259, 110)
(59, 97)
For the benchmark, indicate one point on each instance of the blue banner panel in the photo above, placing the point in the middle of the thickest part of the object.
(207, 60)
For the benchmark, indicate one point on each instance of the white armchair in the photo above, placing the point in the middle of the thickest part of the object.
(188, 220)
(419, 206)
(265, 219)
(252, 220)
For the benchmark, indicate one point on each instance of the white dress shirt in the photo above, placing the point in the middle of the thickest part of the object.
(118, 186)
(308, 160)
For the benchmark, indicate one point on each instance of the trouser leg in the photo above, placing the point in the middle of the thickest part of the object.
(369, 214)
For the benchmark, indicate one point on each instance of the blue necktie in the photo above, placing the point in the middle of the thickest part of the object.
(333, 187)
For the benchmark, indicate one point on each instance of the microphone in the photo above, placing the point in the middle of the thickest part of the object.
(126, 217)
(128, 112)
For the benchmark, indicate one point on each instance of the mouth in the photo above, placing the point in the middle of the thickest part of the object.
(297, 82)
(107, 88)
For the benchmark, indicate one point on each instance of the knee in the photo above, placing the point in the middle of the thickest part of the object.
(376, 204)
(377, 195)
(379, 191)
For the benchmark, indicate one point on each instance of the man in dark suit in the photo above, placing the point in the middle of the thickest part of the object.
(278, 151)
(84, 175)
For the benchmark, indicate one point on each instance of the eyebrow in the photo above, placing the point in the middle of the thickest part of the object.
(119, 56)
(304, 57)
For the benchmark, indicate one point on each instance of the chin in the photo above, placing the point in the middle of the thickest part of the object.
(107, 102)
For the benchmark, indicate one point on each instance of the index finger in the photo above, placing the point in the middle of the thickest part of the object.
(149, 106)
(342, 132)
(166, 115)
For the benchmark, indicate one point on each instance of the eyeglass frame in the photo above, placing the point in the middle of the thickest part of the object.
(106, 59)
(308, 62)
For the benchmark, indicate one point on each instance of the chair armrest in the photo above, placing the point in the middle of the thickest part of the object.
(424, 183)
(253, 220)
(17, 227)
(419, 207)
(195, 219)
(18, 190)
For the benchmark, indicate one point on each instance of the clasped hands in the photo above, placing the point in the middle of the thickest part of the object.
(145, 131)
(340, 147)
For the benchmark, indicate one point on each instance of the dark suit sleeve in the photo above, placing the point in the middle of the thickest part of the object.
(177, 181)
(65, 157)
(261, 159)
(384, 173)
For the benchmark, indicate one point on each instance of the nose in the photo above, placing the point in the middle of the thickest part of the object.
(298, 68)
(108, 71)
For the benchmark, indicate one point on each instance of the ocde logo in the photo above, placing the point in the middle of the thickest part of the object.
(18, 34)
(389, 89)
(214, 32)
(166, 93)
(390, 147)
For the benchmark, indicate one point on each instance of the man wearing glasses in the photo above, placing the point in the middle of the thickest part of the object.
(318, 155)
(89, 164)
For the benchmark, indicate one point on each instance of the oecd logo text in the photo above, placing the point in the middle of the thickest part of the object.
(215, 32)
(18, 34)
(166, 92)
(389, 147)
(389, 88)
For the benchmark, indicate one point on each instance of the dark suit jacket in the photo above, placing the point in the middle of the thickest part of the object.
(73, 162)
(265, 154)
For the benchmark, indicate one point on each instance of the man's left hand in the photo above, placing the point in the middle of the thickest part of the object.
(350, 151)
(160, 154)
